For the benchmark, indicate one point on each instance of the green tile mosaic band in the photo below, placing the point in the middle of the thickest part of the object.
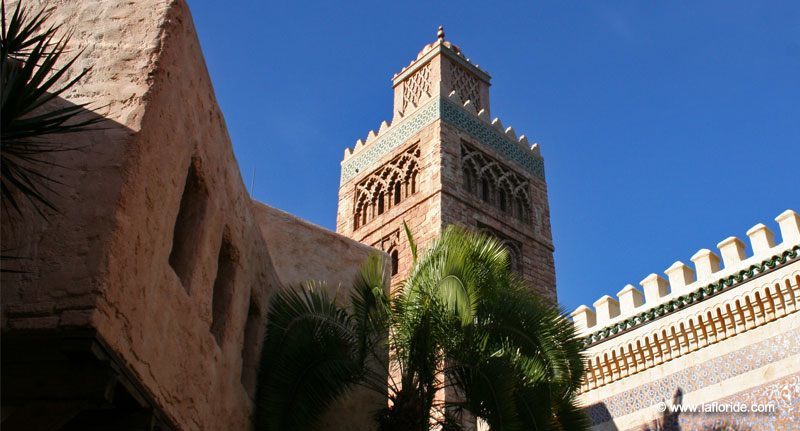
(449, 112)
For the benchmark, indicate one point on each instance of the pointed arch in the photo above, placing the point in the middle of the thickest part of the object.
(394, 258)
(386, 187)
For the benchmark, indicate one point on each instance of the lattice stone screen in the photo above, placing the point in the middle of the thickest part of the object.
(417, 87)
(467, 86)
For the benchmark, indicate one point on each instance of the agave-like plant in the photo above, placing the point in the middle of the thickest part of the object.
(461, 323)
(32, 127)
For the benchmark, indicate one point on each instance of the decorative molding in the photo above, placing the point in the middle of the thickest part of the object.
(685, 280)
(492, 138)
(397, 134)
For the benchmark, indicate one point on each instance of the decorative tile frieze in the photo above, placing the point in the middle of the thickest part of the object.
(697, 377)
(399, 133)
(492, 138)
(782, 394)
(695, 297)
(439, 108)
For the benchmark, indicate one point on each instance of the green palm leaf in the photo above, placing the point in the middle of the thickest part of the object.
(310, 357)
(460, 322)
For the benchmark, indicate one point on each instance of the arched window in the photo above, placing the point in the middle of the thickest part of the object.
(514, 258)
(413, 181)
(396, 191)
(361, 210)
(395, 259)
(486, 189)
(468, 179)
(503, 200)
(380, 202)
(521, 208)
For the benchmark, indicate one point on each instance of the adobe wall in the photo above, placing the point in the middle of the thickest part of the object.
(108, 261)
(301, 252)
(105, 262)
(729, 335)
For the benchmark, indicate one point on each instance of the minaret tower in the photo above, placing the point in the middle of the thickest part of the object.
(442, 160)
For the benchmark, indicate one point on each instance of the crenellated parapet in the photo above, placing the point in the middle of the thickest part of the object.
(710, 273)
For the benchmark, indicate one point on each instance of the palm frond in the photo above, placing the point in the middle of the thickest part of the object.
(461, 322)
(310, 357)
(411, 243)
(370, 304)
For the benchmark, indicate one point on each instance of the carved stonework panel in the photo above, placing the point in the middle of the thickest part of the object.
(417, 88)
(467, 86)
(387, 187)
(496, 184)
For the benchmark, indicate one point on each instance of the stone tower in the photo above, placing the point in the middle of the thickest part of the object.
(442, 160)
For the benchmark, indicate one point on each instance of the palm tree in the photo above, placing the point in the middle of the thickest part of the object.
(462, 323)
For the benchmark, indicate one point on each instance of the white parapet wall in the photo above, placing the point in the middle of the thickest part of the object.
(681, 279)
(723, 330)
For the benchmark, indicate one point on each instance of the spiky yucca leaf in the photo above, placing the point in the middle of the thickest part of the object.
(32, 130)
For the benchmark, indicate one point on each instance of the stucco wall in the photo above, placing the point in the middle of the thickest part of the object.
(302, 251)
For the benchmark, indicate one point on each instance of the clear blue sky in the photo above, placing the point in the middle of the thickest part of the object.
(666, 127)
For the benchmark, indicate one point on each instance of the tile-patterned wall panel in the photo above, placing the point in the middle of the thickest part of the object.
(783, 395)
(696, 377)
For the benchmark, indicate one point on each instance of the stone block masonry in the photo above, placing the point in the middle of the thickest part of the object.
(442, 161)
(441, 107)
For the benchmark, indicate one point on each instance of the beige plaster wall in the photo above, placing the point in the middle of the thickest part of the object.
(302, 251)
(103, 262)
